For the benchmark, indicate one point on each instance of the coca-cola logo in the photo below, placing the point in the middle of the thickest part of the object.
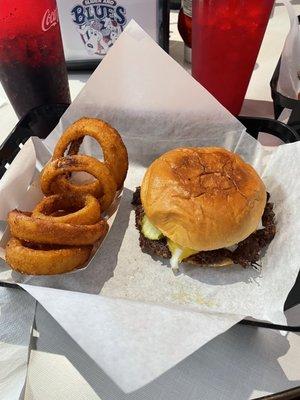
(99, 10)
(50, 19)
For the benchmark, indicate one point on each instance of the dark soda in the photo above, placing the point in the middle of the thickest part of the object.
(32, 64)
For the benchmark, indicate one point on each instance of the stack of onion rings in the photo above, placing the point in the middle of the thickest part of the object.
(59, 234)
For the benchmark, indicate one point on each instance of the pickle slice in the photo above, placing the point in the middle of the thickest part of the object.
(149, 230)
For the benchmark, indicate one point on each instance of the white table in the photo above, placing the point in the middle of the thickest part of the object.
(59, 369)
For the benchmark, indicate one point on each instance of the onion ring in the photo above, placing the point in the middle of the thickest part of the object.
(25, 227)
(114, 150)
(88, 209)
(78, 163)
(45, 261)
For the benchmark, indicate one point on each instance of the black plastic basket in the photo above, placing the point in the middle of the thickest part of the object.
(38, 122)
(291, 394)
(42, 120)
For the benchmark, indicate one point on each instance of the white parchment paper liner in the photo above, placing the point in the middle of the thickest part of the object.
(156, 106)
(288, 81)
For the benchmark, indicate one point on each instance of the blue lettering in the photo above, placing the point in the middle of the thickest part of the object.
(99, 11)
(89, 13)
(121, 12)
(78, 13)
(111, 13)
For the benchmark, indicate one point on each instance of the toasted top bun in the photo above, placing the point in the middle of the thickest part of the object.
(203, 198)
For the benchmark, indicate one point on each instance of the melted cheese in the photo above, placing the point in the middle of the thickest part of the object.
(175, 259)
(178, 254)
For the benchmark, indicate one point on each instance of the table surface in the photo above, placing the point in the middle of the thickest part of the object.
(59, 369)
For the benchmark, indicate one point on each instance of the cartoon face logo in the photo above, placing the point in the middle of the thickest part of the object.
(99, 23)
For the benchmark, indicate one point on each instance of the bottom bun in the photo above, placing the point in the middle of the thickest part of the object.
(226, 262)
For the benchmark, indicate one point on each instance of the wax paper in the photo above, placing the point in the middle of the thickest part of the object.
(288, 81)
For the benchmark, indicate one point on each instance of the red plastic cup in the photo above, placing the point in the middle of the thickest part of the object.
(226, 37)
(32, 64)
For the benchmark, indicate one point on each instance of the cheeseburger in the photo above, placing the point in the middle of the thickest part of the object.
(203, 206)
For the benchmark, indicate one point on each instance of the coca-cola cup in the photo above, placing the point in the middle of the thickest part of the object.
(32, 64)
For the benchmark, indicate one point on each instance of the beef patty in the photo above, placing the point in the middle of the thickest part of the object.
(247, 252)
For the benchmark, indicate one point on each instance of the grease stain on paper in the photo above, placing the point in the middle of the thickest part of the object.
(184, 297)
